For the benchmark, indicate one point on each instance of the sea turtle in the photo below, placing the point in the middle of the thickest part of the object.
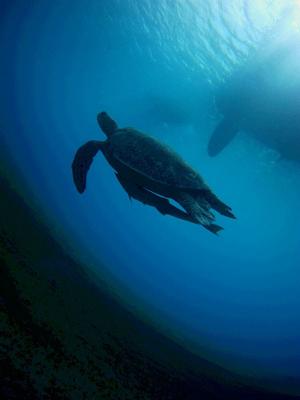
(150, 172)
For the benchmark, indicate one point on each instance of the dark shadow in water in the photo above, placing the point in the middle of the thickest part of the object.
(61, 337)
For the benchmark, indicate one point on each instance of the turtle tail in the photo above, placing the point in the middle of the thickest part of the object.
(82, 162)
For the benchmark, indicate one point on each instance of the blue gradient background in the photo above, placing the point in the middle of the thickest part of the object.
(233, 299)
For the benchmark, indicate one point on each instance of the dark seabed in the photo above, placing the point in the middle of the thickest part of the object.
(63, 337)
(103, 298)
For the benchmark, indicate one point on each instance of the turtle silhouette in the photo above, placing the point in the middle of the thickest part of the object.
(151, 173)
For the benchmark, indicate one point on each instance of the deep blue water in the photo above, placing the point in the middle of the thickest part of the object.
(157, 66)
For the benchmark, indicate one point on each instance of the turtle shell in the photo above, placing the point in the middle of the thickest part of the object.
(147, 156)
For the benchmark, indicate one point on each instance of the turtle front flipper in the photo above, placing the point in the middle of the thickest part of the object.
(222, 135)
(82, 162)
(160, 203)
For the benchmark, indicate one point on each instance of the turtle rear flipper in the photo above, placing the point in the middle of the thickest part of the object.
(199, 210)
(222, 135)
(213, 228)
(82, 162)
(218, 205)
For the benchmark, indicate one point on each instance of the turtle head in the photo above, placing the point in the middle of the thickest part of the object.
(107, 124)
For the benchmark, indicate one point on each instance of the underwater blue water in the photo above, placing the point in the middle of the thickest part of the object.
(157, 66)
